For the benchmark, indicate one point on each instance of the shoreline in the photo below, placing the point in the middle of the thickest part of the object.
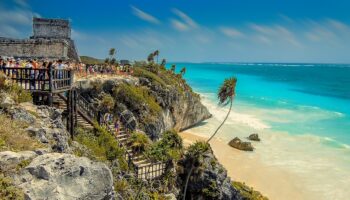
(273, 182)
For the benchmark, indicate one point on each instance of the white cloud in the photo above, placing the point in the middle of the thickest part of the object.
(231, 32)
(187, 20)
(22, 3)
(178, 25)
(16, 22)
(144, 16)
(184, 23)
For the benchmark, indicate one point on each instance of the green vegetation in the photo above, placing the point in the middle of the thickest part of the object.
(248, 193)
(212, 191)
(139, 142)
(101, 145)
(154, 78)
(13, 137)
(137, 99)
(90, 60)
(8, 191)
(18, 94)
(168, 148)
(107, 103)
(226, 94)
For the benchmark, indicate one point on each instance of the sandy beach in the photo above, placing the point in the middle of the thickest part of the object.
(271, 181)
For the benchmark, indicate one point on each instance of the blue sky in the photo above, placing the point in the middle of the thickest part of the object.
(196, 30)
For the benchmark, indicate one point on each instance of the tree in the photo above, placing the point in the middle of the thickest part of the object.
(173, 68)
(107, 60)
(112, 53)
(113, 61)
(163, 63)
(156, 53)
(194, 155)
(150, 57)
(226, 94)
(183, 71)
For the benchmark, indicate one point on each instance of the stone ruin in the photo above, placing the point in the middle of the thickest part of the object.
(51, 40)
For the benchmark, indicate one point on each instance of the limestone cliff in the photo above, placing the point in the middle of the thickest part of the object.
(178, 110)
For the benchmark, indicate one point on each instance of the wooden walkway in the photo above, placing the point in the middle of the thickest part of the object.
(54, 87)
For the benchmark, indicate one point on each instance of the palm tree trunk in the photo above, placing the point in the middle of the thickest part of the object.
(187, 179)
(229, 111)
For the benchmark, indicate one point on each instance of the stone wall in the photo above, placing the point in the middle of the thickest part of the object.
(51, 28)
(51, 39)
(34, 48)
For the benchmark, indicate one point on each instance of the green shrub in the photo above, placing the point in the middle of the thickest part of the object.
(135, 98)
(248, 192)
(8, 191)
(154, 78)
(168, 148)
(212, 191)
(102, 146)
(139, 142)
(107, 103)
(20, 95)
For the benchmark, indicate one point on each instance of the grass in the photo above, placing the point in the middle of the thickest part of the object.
(14, 138)
(102, 146)
(8, 191)
(137, 99)
(18, 94)
(248, 193)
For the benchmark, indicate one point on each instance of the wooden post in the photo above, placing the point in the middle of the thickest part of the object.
(50, 96)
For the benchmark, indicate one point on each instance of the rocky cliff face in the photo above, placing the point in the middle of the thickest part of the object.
(208, 181)
(179, 110)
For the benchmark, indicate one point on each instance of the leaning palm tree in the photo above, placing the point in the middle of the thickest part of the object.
(183, 71)
(226, 94)
(156, 53)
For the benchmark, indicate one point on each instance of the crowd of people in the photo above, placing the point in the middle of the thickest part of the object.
(79, 68)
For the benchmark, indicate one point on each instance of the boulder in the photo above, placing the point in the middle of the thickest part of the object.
(239, 144)
(254, 137)
(6, 101)
(65, 176)
(9, 159)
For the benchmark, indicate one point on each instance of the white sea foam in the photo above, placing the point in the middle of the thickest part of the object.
(320, 164)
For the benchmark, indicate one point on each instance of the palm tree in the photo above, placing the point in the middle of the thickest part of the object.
(111, 53)
(173, 68)
(150, 57)
(113, 61)
(183, 71)
(156, 53)
(226, 94)
(163, 63)
(107, 60)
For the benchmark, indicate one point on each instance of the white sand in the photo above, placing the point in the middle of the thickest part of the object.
(273, 182)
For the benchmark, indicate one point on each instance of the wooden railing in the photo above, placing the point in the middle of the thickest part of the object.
(151, 170)
(41, 80)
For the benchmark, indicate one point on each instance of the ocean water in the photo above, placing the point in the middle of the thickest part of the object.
(301, 111)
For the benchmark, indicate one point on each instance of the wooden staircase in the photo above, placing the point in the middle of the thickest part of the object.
(61, 103)
(144, 167)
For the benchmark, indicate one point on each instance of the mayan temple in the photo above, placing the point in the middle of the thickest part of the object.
(51, 39)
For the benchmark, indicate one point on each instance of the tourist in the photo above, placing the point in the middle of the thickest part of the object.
(116, 126)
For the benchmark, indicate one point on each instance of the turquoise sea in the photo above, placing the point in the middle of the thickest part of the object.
(302, 112)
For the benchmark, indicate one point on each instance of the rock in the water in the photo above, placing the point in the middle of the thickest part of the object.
(64, 176)
(239, 144)
(254, 137)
